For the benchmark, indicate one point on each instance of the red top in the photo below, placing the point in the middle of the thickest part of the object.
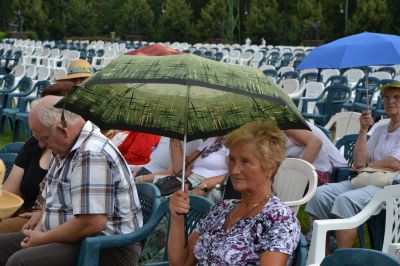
(137, 147)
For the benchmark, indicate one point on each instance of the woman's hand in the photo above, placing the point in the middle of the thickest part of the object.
(179, 203)
(366, 121)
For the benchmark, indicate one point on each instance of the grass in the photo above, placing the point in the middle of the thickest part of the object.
(7, 136)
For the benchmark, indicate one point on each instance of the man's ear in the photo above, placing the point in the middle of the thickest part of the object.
(62, 130)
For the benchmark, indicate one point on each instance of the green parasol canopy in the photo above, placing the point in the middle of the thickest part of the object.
(178, 94)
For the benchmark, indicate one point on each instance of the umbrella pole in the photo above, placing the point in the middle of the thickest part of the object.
(185, 138)
(366, 85)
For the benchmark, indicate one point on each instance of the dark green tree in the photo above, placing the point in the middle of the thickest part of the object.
(370, 15)
(135, 17)
(264, 21)
(32, 16)
(81, 18)
(305, 21)
(176, 22)
(212, 23)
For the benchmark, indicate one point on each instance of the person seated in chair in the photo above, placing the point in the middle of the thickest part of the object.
(28, 171)
(381, 151)
(258, 229)
(89, 191)
(208, 165)
(314, 147)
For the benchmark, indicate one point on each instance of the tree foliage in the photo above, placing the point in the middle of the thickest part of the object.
(264, 21)
(370, 15)
(135, 17)
(176, 21)
(212, 22)
(278, 21)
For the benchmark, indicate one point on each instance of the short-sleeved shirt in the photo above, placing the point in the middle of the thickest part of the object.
(211, 163)
(275, 229)
(28, 159)
(93, 178)
(328, 157)
(382, 144)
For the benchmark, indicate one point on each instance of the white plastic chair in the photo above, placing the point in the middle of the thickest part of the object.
(291, 181)
(327, 73)
(346, 123)
(234, 57)
(245, 57)
(43, 73)
(380, 75)
(312, 90)
(390, 195)
(284, 69)
(290, 86)
(353, 76)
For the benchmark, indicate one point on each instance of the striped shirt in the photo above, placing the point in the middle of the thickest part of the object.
(93, 178)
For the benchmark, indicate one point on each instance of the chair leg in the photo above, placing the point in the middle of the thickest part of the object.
(16, 133)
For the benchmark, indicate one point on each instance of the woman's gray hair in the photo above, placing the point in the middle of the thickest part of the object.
(49, 116)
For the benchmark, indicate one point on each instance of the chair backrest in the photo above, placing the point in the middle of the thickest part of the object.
(327, 73)
(391, 70)
(25, 85)
(336, 95)
(373, 83)
(336, 79)
(13, 147)
(358, 257)
(381, 75)
(346, 145)
(291, 182)
(40, 86)
(353, 75)
(8, 160)
(290, 86)
(149, 196)
(43, 73)
(346, 123)
(290, 75)
(7, 83)
(312, 90)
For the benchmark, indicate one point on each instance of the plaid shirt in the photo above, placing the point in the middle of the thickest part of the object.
(93, 178)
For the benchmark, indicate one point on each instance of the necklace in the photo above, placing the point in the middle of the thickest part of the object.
(229, 223)
(392, 128)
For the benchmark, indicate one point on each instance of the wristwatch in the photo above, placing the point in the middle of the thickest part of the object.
(202, 186)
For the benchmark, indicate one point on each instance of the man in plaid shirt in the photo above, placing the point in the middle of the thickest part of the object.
(89, 191)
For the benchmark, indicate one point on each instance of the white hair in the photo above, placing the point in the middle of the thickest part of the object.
(49, 116)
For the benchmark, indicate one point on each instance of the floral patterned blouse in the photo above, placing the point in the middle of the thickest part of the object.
(275, 228)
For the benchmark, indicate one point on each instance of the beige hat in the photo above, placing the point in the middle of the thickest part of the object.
(2, 171)
(9, 203)
(78, 69)
(394, 85)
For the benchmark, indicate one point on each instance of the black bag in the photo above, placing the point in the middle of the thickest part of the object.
(168, 185)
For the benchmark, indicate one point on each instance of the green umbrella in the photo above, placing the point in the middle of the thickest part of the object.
(180, 96)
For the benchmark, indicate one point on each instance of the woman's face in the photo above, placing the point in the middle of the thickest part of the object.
(246, 170)
(391, 101)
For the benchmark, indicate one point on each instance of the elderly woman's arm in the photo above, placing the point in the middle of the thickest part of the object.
(360, 149)
(13, 182)
(273, 258)
(312, 144)
(178, 252)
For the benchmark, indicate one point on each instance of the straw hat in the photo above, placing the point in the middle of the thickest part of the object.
(9, 203)
(394, 85)
(78, 69)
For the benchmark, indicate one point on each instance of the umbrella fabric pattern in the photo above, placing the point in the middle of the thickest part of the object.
(178, 94)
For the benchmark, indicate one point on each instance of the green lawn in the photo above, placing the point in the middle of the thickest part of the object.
(7, 136)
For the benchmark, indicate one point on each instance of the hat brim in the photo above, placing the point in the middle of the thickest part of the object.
(75, 76)
(394, 85)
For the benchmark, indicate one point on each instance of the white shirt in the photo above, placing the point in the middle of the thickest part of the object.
(212, 165)
(160, 158)
(328, 157)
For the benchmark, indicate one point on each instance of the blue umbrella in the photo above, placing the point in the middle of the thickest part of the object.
(359, 50)
(363, 49)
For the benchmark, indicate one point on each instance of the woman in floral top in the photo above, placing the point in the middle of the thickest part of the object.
(258, 229)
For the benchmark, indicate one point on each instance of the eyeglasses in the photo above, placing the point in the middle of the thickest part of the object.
(388, 98)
